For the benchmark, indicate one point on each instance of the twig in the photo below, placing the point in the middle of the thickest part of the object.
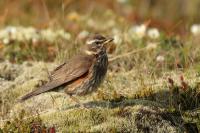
(127, 54)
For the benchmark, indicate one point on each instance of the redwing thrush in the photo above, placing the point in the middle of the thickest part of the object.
(82, 74)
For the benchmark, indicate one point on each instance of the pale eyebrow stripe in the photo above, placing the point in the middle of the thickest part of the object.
(92, 41)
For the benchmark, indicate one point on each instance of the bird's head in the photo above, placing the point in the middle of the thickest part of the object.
(96, 44)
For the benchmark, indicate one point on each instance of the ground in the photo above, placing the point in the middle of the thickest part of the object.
(152, 84)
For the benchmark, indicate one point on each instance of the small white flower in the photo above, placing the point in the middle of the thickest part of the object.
(20, 37)
(12, 32)
(11, 29)
(138, 31)
(122, 1)
(48, 35)
(153, 33)
(67, 36)
(64, 35)
(195, 29)
(160, 58)
(29, 33)
(151, 46)
(117, 39)
(83, 34)
(28, 36)
(34, 40)
(3, 34)
(6, 41)
(117, 36)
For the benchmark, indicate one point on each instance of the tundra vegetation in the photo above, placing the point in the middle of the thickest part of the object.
(153, 80)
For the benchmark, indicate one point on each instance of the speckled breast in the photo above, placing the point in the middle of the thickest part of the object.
(92, 79)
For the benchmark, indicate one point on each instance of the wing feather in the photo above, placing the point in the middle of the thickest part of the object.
(73, 69)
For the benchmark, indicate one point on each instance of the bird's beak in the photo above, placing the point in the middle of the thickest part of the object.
(108, 40)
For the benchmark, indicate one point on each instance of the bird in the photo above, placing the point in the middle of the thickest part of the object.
(80, 75)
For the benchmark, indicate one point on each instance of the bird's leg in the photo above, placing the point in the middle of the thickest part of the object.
(77, 101)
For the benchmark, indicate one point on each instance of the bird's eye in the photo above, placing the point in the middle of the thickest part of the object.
(98, 45)
(97, 42)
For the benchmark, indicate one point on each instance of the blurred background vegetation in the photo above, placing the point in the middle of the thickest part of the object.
(79, 18)
(163, 14)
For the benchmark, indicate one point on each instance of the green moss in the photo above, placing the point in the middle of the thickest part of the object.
(110, 109)
(21, 124)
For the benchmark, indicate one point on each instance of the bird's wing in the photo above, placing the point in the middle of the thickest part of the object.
(57, 68)
(75, 68)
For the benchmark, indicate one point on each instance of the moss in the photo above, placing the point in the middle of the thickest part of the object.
(22, 124)
(100, 120)
(110, 109)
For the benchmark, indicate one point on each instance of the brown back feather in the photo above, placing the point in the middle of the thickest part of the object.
(73, 69)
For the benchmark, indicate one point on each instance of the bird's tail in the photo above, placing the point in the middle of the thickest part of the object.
(47, 87)
(27, 96)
